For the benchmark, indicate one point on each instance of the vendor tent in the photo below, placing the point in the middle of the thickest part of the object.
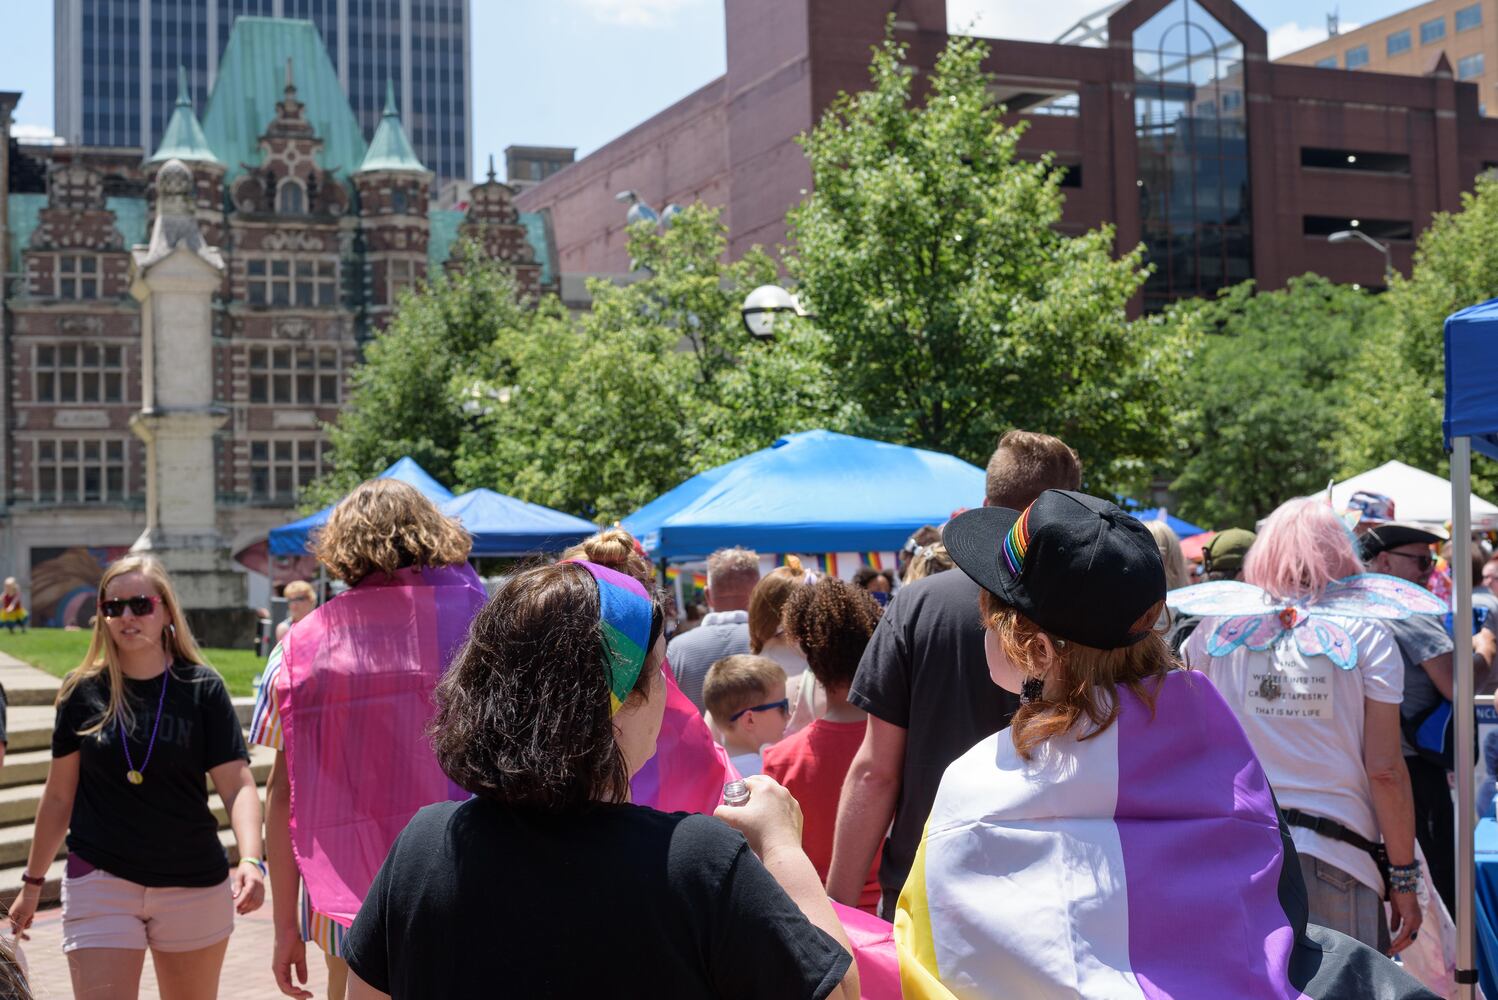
(505, 526)
(295, 539)
(1471, 422)
(815, 491)
(1418, 496)
(1183, 529)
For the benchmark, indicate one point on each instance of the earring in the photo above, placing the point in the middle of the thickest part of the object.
(1031, 691)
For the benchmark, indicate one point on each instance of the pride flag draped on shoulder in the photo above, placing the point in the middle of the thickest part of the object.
(1146, 861)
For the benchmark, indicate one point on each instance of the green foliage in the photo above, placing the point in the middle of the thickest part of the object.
(1397, 387)
(1268, 386)
(954, 308)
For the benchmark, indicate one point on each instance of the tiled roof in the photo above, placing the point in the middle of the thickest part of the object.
(390, 149)
(251, 80)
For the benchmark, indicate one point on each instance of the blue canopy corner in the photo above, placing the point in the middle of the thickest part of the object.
(295, 539)
(1471, 358)
(504, 526)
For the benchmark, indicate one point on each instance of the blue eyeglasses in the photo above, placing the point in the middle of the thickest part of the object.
(783, 704)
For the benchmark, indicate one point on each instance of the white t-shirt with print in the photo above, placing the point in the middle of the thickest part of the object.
(1304, 717)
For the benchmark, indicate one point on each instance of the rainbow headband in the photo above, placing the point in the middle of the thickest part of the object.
(625, 612)
(1017, 542)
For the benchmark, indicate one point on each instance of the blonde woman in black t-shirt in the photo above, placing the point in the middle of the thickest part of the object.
(139, 724)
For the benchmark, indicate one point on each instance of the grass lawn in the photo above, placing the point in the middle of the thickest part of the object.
(57, 651)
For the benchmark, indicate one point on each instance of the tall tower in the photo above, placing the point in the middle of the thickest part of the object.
(393, 191)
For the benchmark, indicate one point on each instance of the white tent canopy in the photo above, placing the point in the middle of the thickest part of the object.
(1420, 497)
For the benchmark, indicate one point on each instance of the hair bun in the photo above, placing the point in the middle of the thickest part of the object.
(793, 563)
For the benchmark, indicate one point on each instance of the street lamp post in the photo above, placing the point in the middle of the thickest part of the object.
(764, 306)
(1354, 235)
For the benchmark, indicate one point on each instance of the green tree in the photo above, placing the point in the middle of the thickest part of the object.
(1397, 388)
(1267, 389)
(954, 307)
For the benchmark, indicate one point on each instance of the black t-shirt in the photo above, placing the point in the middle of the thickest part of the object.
(160, 832)
(925, 671)
(481, 900)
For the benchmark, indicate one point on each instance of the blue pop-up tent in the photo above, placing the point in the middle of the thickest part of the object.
(816, 491)
(1471, 421)
(505, 526)
(1183, 529)
(294, 539)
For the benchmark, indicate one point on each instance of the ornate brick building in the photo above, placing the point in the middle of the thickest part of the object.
(320, 232)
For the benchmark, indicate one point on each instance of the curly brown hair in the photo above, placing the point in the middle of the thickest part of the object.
(1090, 677)
(385, 525)
(523, 713)
(618, 550)
(831, 620)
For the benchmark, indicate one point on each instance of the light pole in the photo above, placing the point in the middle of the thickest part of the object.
(1353, 235)
(764, 306)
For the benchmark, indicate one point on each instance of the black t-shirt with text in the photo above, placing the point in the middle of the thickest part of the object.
(925, 671)
(160, 832)
(477, 899)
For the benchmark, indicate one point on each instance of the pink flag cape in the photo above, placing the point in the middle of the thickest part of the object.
(355, 697)
(687, 774)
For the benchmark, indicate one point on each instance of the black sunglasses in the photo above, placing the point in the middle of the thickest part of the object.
(783, 704)
(1423, 561)
(140, 606)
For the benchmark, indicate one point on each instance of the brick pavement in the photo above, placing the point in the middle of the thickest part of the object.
(246, 974)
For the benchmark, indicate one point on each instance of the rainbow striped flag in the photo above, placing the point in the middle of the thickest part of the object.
(1147, 861)
(871, 559)
(827, 563)
(672, 573)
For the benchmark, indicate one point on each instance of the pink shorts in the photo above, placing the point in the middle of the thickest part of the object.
(100, 910)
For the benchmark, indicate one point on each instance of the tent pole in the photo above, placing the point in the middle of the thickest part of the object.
(1466, 718)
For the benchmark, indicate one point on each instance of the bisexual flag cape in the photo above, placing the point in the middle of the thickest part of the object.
(1145, 862)
(355, 696)
(689, 769)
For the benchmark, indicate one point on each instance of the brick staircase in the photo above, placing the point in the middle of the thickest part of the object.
(31, 693)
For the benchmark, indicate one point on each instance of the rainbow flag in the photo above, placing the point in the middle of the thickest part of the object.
(1147, 861)
(672, 573)
(699, 580)
(871, 559)
(827, 563)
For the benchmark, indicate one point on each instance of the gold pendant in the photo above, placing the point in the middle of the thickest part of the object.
(134, 777)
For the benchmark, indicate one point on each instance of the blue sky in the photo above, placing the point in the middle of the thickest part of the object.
(579, 72)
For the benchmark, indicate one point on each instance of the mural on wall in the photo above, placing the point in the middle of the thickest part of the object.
(65, 583)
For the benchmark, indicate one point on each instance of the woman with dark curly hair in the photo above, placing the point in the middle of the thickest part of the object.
(831, 621)
(549, 882)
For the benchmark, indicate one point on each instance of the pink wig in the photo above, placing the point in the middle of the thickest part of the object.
(1301, 548)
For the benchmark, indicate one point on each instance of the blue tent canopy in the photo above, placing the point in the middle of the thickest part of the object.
(816, 491)
(1471, 365)
(1183, 529)
(294, 539)
(505, 526)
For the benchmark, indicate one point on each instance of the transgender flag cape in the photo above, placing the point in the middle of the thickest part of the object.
(355, 696)
(1143, 863)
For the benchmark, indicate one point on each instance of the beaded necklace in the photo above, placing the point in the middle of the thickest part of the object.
(136, 775)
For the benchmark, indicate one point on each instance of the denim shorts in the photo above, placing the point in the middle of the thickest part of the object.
(1344, 904)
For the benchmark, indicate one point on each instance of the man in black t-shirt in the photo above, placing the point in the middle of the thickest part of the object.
(924, 682)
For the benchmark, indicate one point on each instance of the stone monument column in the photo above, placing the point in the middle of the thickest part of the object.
(174, 277)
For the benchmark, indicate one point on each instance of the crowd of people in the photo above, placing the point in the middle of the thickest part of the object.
(1043, 754)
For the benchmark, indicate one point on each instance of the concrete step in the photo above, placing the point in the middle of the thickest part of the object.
(10, 877)
(29, 727)
(15, 841)
(19, 798)
(25, 684)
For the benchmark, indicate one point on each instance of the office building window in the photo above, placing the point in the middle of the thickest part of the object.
(78, 373)
(77, 276)
(1330, 62)
(303, 376)
(72, 470)
(1433, 30)
(286, 281)
(1356, 57)
(1469, 17)
(1398, 42)
(1469, 67)
(280, 468)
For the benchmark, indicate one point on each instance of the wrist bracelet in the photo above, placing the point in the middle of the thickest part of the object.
(1404, 878)
(264, 871)
(36, 880)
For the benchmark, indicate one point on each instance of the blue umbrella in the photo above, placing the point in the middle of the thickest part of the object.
(294, 539)
(810, 492)
(504, 526)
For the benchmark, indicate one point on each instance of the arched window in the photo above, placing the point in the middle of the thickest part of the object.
(291, 199)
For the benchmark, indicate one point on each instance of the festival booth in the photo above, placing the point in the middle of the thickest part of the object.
(1183, 529)
(1420, 497)
(816, 491)
(1471, 422)
(295, 539)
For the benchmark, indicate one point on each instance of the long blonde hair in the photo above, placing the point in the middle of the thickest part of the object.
(1169, 544)
(102, 659)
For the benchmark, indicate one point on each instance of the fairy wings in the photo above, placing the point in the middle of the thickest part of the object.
(1249, 616)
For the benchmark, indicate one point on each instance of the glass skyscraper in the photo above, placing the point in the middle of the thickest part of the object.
(116, 65)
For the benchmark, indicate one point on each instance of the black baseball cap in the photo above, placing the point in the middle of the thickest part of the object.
(1079, 567)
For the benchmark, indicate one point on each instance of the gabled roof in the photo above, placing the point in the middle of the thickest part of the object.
(183, 139)
(390, 149)
(251, 81)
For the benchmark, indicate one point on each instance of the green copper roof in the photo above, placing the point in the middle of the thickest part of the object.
(443, 236)
(130, 219)
(390, 149)
(251, 80)
(184, 138)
